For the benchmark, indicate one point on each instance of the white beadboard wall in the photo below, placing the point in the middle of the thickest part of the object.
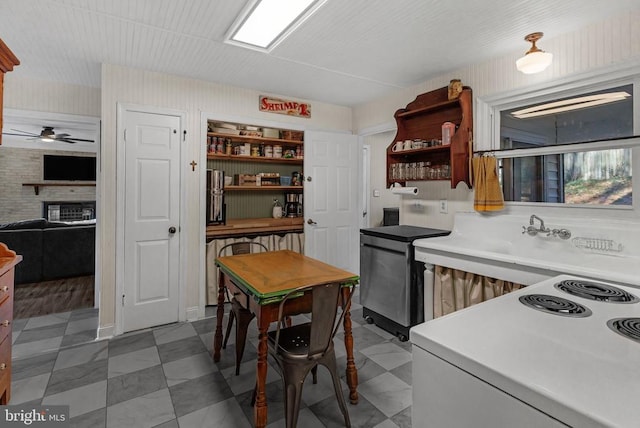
(32, 94)
(602, 44)
(378, 164)
(194, 97)
(615, 40)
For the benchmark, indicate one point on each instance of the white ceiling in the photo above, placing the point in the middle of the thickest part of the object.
(349, 52)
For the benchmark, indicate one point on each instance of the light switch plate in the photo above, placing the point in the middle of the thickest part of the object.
(376, 193)
(444, 208)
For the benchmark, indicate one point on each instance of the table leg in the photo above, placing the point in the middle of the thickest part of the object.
(352, 372)
(217, 339)
(260, 408)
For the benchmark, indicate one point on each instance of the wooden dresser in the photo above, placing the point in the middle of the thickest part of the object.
(8, 260)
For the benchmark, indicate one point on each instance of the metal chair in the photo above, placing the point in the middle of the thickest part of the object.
(237, 312)
(300, 348)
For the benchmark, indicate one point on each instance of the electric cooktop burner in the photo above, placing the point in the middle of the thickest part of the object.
(627, 327)
(596, 291)
(555, 305)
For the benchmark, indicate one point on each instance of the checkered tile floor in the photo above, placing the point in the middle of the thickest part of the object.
(165, 377)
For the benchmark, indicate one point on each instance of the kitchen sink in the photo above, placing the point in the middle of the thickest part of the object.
(602, 250)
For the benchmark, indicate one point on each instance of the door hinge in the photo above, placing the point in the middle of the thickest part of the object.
(125, 135)
(123, 300)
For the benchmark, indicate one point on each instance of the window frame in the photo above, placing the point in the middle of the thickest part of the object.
(488, 109)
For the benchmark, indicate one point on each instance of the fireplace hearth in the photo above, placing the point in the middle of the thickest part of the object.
(69, 211)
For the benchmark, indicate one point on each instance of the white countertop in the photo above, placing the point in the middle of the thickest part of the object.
(574, 369)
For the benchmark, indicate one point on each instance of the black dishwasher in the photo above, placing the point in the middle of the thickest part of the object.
(391, 281)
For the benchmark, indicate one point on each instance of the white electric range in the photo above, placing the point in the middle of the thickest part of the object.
(504, 363)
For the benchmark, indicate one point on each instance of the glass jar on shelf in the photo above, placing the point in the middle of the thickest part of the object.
(446, 171)
(411, 171)
(420, 171)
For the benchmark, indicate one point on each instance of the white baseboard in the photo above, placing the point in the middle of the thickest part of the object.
(194, 313)
(106, 331)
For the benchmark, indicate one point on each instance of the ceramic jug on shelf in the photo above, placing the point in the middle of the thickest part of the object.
(277, 209)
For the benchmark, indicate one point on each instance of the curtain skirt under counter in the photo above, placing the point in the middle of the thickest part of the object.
(455, 289)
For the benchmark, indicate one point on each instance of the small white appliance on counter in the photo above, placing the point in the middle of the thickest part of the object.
(562, 352)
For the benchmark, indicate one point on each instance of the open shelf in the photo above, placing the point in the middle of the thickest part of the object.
(292, 161)
(36, 186)
(428, 109)
(233, 188)
(250, 139)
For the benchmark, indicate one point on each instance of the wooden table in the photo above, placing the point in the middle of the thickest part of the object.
(259, 281)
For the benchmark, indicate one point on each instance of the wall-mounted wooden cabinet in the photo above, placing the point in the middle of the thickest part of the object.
(7, 61)
(417, 152)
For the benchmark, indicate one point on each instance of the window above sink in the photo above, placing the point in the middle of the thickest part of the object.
(568, 143)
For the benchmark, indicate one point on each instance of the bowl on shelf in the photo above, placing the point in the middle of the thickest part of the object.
(228, 180)
(285, 181)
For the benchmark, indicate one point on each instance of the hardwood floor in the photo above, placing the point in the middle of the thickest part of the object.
(49, 297)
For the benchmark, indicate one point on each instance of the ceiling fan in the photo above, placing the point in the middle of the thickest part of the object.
(47, 135)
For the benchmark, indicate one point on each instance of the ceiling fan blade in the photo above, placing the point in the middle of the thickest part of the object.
(19, 135)
(66, 138)
(23, 133)
(75, 140)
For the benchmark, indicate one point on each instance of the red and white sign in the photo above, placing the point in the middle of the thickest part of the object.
(291, 108)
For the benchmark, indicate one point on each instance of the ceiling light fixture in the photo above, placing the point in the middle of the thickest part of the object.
(263, 24)
(570, 104)
(535, 60)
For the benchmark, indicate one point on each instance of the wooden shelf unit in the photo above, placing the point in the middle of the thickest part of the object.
(246, 203)
(423, 119)
(220, 156)
(7, 61)
(255, 140)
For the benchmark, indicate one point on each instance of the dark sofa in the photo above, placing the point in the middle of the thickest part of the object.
(50, 250)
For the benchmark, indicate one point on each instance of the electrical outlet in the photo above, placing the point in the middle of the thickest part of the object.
(376, 193)
(443, 206)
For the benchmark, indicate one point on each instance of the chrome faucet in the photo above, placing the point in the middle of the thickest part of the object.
(542, 229)
(533, 231)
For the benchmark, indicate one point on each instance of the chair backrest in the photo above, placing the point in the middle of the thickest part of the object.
(243, 248)
(325, 299)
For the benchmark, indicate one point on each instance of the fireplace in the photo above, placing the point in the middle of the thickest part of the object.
(69, 211)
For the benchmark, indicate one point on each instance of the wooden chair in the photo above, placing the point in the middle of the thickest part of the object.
(242, 316)
(300, 348)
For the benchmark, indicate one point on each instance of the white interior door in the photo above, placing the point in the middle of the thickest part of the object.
(332, 203)
(151, 219)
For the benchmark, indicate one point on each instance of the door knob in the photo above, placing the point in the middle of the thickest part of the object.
(311, 222)
(172, 230)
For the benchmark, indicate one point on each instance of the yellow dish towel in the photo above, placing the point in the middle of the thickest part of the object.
(488, 193)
